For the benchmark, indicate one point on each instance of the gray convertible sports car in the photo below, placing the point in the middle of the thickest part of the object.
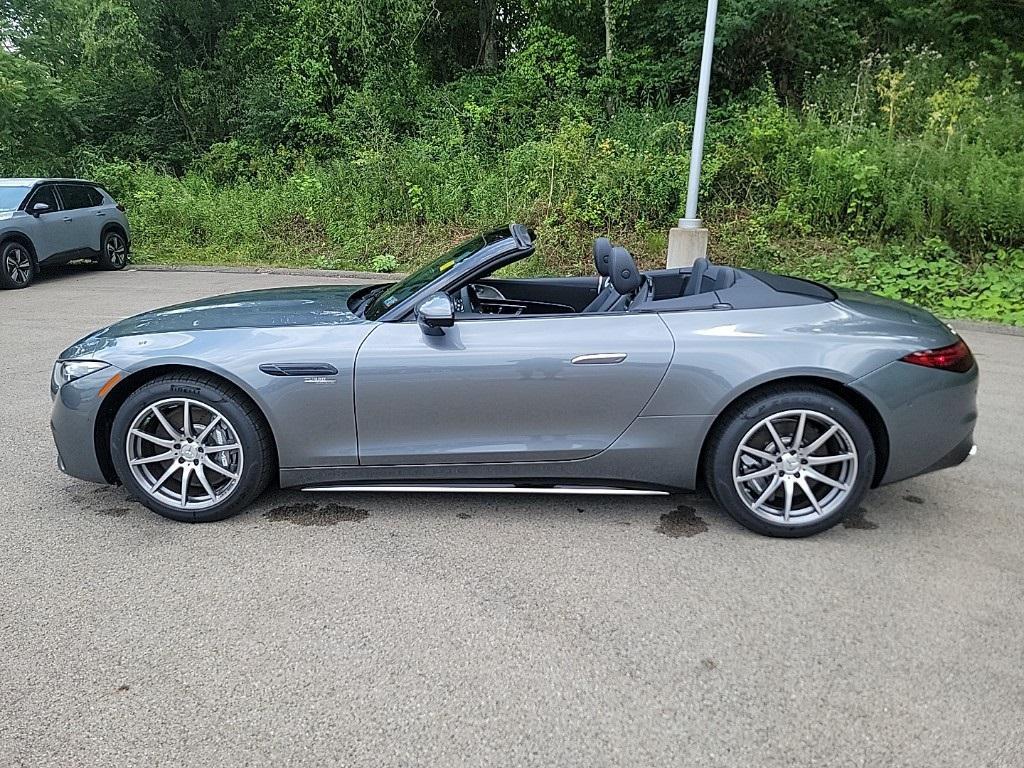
(789, 399)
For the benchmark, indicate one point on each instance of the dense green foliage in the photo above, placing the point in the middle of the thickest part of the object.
(877, 144)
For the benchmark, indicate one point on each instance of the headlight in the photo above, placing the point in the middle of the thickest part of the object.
(69, 370)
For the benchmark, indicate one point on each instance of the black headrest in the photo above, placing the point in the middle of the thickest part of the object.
(603, 256)
(696, 281)
(626, 278)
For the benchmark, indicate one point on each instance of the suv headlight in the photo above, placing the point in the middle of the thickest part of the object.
(69, 370)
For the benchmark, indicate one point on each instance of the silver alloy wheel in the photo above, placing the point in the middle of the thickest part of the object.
(184, 453)
(117, 250)
(18, 264)
(795, 467)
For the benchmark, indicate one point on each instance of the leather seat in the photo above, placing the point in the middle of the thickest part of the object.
(627, 279)
(606, 295)
(695, 284)
(602, 259)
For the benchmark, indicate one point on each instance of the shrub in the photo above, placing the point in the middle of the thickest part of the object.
(909, 178)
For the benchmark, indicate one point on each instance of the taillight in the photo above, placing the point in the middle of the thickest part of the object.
(121, 208)
(956, 357)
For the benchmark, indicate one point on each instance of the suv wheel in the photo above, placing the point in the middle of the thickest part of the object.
(114, 251)
(17, 268)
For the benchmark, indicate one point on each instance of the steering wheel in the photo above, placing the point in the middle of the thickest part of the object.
(466, 301)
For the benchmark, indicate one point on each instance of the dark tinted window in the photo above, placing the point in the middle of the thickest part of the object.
(95, 198)
(43, 195)
(75, 196)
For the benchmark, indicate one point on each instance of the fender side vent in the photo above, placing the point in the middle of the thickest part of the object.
(299, 369)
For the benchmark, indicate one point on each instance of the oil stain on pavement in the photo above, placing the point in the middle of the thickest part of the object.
(856, 519)
(115, 512)
(311, 513)
(683, 521)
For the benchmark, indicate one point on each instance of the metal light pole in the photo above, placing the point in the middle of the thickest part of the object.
(700, 118)
(689, 241)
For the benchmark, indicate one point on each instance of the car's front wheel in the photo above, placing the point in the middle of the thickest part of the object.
(114, 250)
(790, 461)
(17, 269)
(191, 448)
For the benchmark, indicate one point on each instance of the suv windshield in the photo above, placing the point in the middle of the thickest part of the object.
(11, 197)
(403, 289)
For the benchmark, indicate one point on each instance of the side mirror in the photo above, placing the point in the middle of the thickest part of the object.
(39, 208)
(435, 313)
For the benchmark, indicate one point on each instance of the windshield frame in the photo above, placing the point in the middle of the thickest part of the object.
(468, 257)
(25, 190)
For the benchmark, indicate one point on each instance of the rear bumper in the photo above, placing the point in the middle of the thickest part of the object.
(929, 416)
(73, 424)
(961, 453)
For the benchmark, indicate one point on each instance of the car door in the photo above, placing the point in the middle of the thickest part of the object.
(47, 231)
(99, 214)
(83, 224)
(504, 390)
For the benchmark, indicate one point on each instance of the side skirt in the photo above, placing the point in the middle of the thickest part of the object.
(482, 488)
(655, 452)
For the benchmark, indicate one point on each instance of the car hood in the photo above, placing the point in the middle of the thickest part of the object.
(269, 308)
(314, 305)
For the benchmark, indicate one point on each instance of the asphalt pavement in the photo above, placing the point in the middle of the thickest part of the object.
(435, 630)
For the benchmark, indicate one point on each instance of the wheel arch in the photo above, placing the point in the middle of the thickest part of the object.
(17, 236)
(114, 226)
(861, 404)
(117, 396)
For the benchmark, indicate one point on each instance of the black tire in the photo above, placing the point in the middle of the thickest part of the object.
(246, 422)
(736, 425)
(17, 265)
(113, 250)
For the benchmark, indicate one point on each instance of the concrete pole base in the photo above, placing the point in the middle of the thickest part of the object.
(686, 245)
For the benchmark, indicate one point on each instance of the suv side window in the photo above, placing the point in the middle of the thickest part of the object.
(95, 196)
(75, 196)
(43, 194)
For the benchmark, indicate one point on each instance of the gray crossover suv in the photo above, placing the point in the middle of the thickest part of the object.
(53, 221)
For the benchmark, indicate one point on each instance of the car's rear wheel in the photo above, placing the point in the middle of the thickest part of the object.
(790, 461)
(191, 448)
(17, 268)
(114, 250)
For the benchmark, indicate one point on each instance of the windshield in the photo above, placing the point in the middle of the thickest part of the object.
(403, 289)
(11, 197)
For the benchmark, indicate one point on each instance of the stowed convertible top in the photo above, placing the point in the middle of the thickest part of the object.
(723, 287)
(702, 286)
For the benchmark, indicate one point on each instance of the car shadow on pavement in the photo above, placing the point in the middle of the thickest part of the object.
(674, 515)
(73, 269)
(679, 515)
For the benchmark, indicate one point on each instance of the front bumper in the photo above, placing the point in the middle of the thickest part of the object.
(929, 416)
(76, 407)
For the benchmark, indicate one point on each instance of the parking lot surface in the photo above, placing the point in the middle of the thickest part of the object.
(475, 630)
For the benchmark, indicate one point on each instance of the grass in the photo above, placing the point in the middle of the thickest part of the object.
(928, 208)
(985, 289)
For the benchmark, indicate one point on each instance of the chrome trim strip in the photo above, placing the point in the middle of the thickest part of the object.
(599, 358)
(568, 490)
